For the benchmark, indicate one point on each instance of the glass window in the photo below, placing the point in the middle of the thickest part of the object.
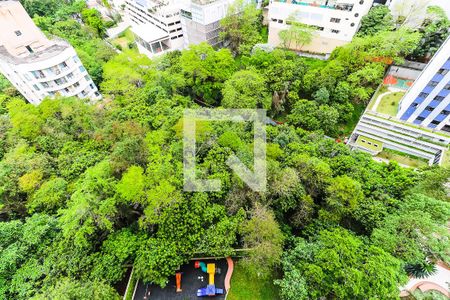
(82, 69)
(335, 20)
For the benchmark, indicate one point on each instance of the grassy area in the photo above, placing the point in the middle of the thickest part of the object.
(243, 287)
(124, 40)
(383, 89)
(369, 143)
(389, 103)
(351, 124)
(446, 159)
(403, 158)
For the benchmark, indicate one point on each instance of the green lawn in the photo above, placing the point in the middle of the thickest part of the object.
(446, 159)
(389, 103)
(402, 158)
(369, 143)
(124, 39)
(245, 288)
(383, 89)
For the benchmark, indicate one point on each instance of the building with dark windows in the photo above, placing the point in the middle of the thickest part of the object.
(428, 101)
(419, 125)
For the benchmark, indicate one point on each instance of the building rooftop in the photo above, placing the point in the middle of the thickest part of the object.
(149, 32)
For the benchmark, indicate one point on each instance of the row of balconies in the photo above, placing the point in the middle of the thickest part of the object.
(406, 129)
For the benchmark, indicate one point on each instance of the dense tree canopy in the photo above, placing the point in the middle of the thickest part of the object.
(89, 190)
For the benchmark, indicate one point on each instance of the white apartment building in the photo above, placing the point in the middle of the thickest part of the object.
(336, 21)
(156, 25)
(201, 20)
(36, 66)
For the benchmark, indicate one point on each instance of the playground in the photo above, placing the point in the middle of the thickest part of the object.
(209, 278)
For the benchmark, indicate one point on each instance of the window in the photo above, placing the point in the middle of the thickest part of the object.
(280, 21)
(27, 77)
(361, 2)
(29, 49)
(45, 84)
(76, 59)
(97, 94)
(429, 108)
(18, 32)
(70, 75)
(433, 83)
(66, 90)
(445, 112)
(356, 15)
(423, 95)
(434, 122)
(415, 105)
(82, 69)
(63, 65)
(335, 20)
(87, 78)
(60, 81)
(352, 25)
(335, 31)
(439, 98)
(92, 86)
(443, 72)
(76, 84)
(420, 119)
(36, 87)
(447, 86)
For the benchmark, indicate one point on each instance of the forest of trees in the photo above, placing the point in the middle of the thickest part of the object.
(89, 190)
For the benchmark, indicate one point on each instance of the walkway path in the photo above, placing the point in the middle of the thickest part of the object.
(229, 274)
(438, 282)
(391, 90)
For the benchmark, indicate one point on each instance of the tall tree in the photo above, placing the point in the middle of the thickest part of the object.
(378, 19)
(297, 35)
(339, 265)
(241, 27)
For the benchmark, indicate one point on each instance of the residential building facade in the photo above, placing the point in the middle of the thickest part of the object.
(428, 101)
(419, 127)
(335, 21)
(201, 20)
(37, 66)
(156, 25)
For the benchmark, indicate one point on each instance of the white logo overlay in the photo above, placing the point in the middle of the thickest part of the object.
(256, 180)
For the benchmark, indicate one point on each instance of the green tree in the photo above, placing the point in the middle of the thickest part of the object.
(206, 70)
(263, 236)
(245, 89)
(343, 195)
(241, 27)
(378, 19)
(339, 265)
(93, 18)
(297, 35)
(67, 289)
(434, 31)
